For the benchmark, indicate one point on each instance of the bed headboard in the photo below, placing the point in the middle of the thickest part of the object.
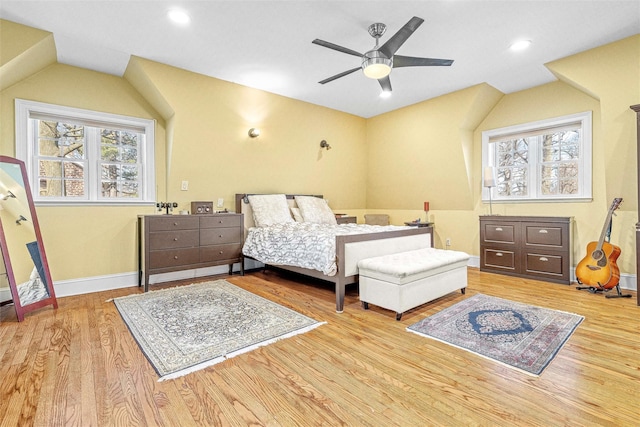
(243, 206)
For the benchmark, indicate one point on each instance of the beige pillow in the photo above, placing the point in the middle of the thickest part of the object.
(297, 216)
(270, 209)
(315, 210)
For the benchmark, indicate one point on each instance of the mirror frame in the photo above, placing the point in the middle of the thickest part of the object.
(21, 309)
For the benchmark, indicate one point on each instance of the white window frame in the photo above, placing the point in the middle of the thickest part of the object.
(585, 161)
(26, 145)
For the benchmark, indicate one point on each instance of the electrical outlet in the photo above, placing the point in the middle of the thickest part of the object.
(448, 241)
(185, 186)
(220, 203)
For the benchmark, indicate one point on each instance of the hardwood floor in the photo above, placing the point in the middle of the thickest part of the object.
(79, 366)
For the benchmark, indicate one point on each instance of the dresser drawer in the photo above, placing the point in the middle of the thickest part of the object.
(173, 222)
(217, 236)
(221, 220)
(174, 257)
(220, 252)
(543, 235)
(545, 264)
(496, 258)
(169, 243)
(500, 233)
(173, 239)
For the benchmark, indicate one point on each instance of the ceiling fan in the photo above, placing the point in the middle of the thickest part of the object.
(378, 62)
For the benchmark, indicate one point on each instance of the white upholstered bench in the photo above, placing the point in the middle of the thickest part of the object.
(405, 280)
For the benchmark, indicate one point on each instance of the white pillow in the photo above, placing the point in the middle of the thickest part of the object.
(270, 209)
(315, 210)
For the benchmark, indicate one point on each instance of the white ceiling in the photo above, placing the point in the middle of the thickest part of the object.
(267, 44)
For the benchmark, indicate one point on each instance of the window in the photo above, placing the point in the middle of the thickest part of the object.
(85, 157)
(542, 161)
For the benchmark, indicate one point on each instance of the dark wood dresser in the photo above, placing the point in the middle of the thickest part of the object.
(183, 242)
(534, 247)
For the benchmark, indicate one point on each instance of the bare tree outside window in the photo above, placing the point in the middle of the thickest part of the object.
(545, 160)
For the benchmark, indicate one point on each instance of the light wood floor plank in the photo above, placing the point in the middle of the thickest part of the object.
(79, 365)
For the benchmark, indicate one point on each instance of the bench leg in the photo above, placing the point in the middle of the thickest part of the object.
(463, 291)
(398, 316)
(365, 305)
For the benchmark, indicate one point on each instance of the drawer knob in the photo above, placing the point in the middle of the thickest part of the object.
(175, 239)
(499, 254)
(175, 257)
(220, 222)
(543, 231)
(498, 228)
(221, 252)
(544, 259)
(175, 223)
(220, 235)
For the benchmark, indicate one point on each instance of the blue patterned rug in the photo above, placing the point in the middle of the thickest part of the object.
(519, 335)
(187, 328)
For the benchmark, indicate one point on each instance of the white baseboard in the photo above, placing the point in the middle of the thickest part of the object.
(65, 288)
(627, 281)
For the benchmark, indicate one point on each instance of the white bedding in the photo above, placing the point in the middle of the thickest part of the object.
(305, 245)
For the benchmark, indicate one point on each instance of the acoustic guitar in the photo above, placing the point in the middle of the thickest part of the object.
(598, 268)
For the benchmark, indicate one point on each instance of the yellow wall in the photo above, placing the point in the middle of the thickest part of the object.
(392, 163)
(211, 148)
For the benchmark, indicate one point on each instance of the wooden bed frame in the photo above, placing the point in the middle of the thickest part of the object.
(351, 248)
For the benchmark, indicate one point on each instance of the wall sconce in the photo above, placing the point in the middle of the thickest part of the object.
(254, 132)
(426, 210)
(489, 181)
(325, 144)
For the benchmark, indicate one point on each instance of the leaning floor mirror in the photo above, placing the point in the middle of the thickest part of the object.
(25, 262)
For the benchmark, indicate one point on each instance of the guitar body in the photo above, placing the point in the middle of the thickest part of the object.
(599, 268)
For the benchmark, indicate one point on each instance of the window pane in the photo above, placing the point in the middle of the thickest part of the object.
(115, 189)
(50, 187)
(120, 180)
(74, 188)
(58, 139)
(50, 168)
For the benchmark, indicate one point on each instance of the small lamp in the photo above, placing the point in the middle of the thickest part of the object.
(426, 210)
(489, 181)
(254, 132)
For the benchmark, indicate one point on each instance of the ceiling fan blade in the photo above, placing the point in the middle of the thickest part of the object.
(385, 84)
(337, 76)
(398, 39)
(412, 61)
(336, 47)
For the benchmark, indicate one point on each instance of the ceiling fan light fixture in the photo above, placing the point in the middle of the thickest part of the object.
(375, 65)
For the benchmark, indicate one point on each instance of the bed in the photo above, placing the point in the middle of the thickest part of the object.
(352, 242)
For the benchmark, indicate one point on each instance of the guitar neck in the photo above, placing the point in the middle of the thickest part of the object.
(605, 227)
(604, 231)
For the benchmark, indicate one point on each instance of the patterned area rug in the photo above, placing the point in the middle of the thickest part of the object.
(519, 335)
(188, 328)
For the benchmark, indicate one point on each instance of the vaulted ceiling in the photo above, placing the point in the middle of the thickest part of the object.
(267, 44)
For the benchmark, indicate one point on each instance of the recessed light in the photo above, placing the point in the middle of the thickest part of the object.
(385, 94)
(520, 45)
(179, 16)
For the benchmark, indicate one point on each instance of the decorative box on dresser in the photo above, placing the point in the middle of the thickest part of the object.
(535, 247)
(169, 243)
